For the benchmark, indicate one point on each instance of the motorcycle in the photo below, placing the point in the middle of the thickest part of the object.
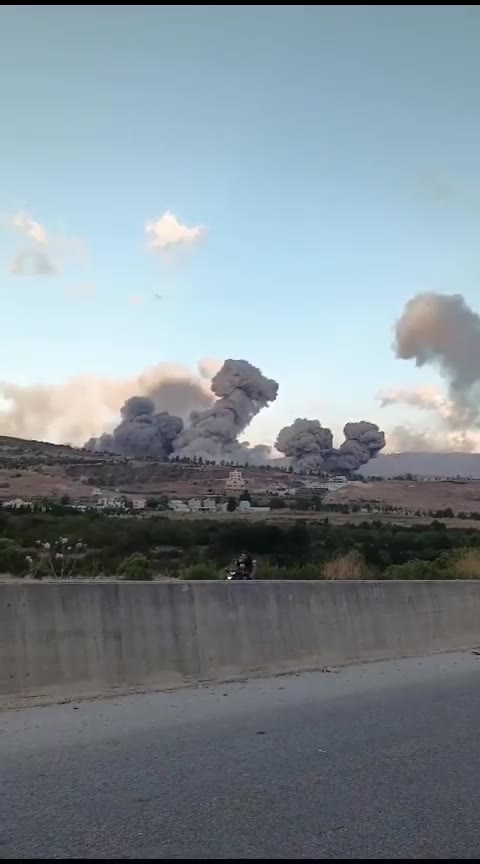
(239, 574)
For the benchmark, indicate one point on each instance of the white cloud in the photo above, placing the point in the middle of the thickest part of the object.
(446, 431)
(167, 234)
(37, 259)
(43, 254)
(33, 262)
(404, 438)
(30, 228)
(426, 399)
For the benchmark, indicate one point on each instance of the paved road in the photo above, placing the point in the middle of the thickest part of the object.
(374, 761)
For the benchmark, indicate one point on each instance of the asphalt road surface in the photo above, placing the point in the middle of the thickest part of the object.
(381, 760)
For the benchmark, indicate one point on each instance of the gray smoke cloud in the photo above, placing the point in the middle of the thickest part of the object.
(141, 432)
(363, 440)
(211, 434)
(242, 392)
(441, 330)
(309, 445)
(88, 405)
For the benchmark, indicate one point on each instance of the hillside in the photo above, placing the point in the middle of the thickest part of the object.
(39, 469)
(424, 465)
(412, 496)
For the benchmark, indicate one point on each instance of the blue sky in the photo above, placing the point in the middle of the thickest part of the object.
(331, 155)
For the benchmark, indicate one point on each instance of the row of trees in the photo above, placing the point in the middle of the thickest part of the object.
(172, 546)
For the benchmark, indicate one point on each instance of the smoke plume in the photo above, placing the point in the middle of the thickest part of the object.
(242, 392)
(142, 432)
(307, 443)
(212, 434)
(442, 331)
(310, 446)
(88, 405)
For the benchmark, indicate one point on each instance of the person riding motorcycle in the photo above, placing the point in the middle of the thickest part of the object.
(248, 564)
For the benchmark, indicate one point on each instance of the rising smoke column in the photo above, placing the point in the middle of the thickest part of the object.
(363, 440)
(310, 446)
(442, 331)
(307, 443)
(242, 392)
(141, 432)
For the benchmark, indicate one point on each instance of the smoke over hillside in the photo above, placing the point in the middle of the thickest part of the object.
(166, 412)
(242, 392)
(86, 405)
(142, 431)
(212, 434)
(310, 446)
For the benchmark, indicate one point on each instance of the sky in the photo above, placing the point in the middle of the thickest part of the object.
(284, 178)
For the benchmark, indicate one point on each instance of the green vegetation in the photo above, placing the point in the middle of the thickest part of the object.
(136, 568)
(146, 548)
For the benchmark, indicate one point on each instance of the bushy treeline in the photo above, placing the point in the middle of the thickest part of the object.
(202, 548)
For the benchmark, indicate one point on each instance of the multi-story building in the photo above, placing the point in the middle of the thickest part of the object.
(235, 481)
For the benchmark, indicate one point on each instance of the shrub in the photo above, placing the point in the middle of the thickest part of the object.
(466, 564)
(135, 568)
(310, 571)
(416, 569)
(349, 566)
(199, 571)
(12, 557)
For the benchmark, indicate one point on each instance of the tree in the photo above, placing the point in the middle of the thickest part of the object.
(231, 505)
(277, 503)
(58, 559)
(245, 496)
(135, 568)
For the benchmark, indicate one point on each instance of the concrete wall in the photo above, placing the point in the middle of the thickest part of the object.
(72, 638)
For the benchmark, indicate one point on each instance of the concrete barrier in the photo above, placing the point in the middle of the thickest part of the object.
(79, 638)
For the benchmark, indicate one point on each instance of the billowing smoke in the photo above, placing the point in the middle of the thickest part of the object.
(442, 331)
(310, 446)
(212, 434)
(243, 391)
(363, 440)
(142, 431)
(87, 405)
(307, 443)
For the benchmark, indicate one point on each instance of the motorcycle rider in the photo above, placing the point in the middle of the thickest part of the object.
(248, 564)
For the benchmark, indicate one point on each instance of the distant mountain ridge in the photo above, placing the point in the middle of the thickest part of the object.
(424, 465)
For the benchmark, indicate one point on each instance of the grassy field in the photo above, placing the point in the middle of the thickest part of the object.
(289, 517)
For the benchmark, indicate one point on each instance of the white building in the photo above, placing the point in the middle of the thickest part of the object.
(111, 503)
(178, 506)
(330, 484)
(235, 481)
(209, 504)
(244, 507)
(16, 503)
(139, 503)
